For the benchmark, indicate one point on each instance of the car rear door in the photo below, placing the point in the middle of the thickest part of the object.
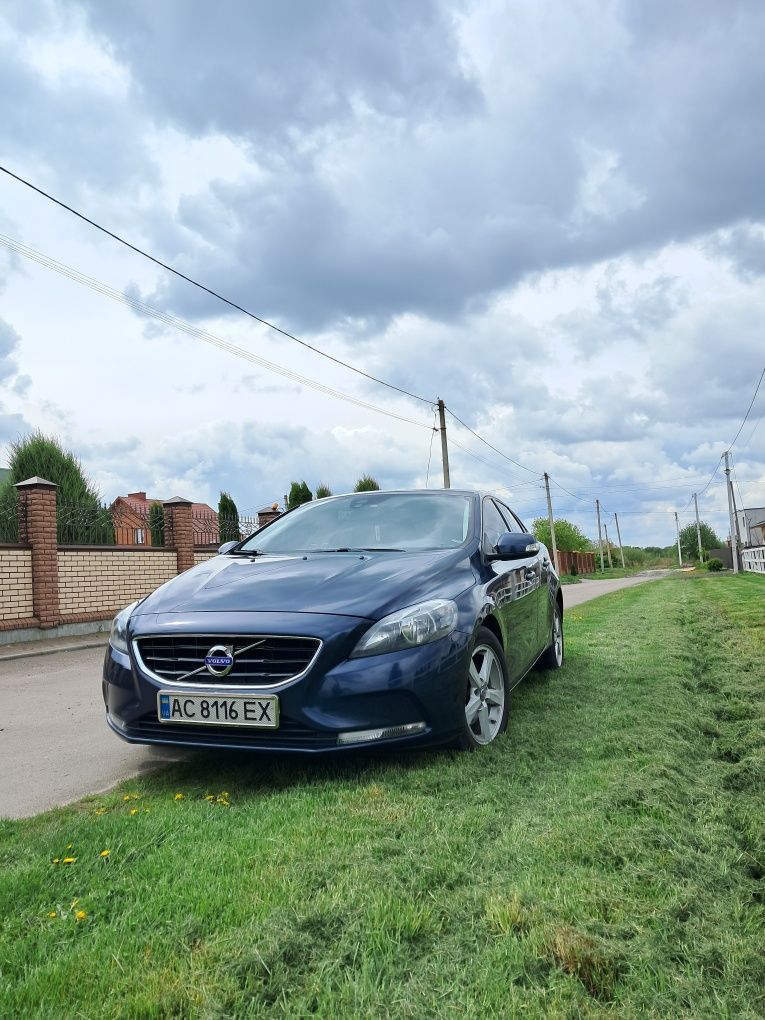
(511, 586)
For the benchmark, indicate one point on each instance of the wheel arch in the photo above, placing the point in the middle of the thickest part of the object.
(491, 623)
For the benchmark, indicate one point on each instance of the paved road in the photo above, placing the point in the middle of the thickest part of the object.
(54, 743)
(575, 594)
(55, 746)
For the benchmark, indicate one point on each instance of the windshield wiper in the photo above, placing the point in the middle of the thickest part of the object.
(360, 548)
(245, 552)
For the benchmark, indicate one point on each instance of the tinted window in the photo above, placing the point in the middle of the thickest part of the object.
(494, 525)
(375, 520)
(514, 524)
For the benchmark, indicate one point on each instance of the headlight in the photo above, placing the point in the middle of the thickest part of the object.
(417, 625)
(118, 634)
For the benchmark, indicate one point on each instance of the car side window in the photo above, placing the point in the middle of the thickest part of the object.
(494, 525)
(514, 524)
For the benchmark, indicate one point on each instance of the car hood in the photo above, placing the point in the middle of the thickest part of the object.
(367, 585)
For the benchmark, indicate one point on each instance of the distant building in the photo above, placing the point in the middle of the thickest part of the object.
(131, 520)
(751, 525)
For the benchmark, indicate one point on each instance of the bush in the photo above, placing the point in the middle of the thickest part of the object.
(366, 484)
(228, 519)
(323, 490)
(299, 494)
(157, 524)
(715, 564)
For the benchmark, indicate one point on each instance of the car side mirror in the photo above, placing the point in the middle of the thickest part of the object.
(514, 546)
(226, 547)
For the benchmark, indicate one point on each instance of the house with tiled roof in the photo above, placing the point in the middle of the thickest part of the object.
(131, 520)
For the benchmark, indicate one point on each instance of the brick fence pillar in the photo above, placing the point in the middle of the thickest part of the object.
(179, 531)
(37, 528)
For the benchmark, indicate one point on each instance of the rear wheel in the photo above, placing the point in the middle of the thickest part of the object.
(486, 692)
(554, 654)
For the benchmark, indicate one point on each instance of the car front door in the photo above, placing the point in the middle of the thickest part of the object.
(539, 593)
(512, 585)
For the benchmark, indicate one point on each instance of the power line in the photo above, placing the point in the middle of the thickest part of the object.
(194, 331)
(494, 448)
(209, 290)
(751, 404)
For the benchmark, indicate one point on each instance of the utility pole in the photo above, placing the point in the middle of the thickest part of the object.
(552, 524)
(600, 536)
(698, 527)
(619, 536)
(732, 516)
(679, 553)
(444, 447)
(608, 547)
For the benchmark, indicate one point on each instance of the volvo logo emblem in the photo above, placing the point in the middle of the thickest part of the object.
(220, 660)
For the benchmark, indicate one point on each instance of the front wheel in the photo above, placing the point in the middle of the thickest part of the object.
(552, 658)
(486, 692)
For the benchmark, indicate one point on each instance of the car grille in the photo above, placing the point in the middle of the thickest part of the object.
(259, 660)
(289, 734)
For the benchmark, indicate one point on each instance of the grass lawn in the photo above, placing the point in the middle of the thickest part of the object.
(604, 858)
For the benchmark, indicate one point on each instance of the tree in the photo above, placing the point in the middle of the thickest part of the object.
(366, 484)
(568, 537)
(689, 545)
(299, 494)
(228, 519)
(81, 517)
(157, 523)
(322, 491)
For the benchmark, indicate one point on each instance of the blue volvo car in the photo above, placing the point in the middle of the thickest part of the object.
(384, 618)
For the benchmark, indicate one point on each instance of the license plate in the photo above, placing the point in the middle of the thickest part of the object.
(237, 710)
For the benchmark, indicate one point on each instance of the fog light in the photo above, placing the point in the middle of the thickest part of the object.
(384, 732)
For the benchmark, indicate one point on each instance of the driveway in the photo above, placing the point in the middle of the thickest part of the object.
(55, 746)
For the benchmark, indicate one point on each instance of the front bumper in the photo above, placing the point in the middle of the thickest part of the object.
(337, 695)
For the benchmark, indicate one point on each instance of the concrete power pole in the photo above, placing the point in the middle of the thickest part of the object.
(698, 527)
(608, 547)
(600, 536)
(732, 516)
(444, 447)
(619, 536)
(551, 519)
(679, 553)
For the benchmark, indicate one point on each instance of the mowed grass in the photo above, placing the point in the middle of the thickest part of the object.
(604, 858)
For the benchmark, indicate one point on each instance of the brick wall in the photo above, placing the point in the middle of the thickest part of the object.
(95, 580)
(15, 584)
(200, 557)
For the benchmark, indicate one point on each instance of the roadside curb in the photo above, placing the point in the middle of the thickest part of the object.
(52, 651)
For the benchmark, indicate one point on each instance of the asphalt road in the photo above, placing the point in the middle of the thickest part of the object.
(575, 594)
(55, 746)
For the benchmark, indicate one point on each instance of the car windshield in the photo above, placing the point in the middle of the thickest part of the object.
(368, 521)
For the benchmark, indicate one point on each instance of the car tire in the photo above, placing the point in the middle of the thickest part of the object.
(486, 693)
(554, 654)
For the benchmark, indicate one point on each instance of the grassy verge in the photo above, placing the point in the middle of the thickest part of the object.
(604, 858)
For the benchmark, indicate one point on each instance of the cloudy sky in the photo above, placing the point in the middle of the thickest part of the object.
(551, 215)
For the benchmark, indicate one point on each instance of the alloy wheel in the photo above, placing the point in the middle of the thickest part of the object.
(485, 702)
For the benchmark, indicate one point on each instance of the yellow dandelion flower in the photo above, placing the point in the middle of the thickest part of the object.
(210, 796)
(180, 796)
(126, 797)
(100, 811)
(69, 846)
(69, 860)
(80, 915)
(134, 811)
(104, 853)
(52, 914)
(56, 860)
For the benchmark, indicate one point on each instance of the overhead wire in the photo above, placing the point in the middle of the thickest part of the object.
(209, 290)
(194, 331)
(751, 405)
(494, 448)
